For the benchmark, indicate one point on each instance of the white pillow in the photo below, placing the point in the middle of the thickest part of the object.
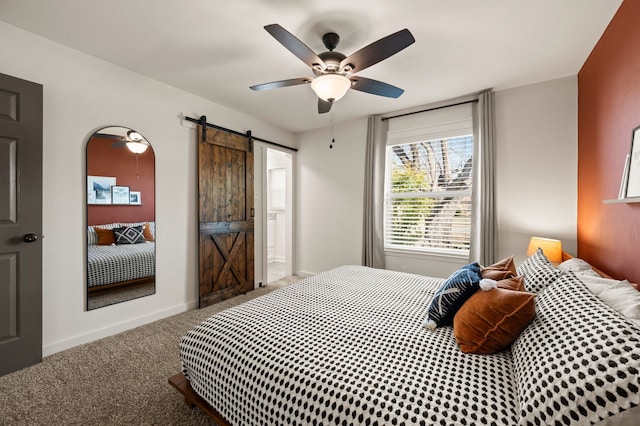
(579, 267)
(597, 284)
(619, 295)
(625, 299)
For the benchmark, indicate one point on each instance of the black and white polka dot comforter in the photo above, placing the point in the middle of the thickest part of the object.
(117, 263)
(347, 347)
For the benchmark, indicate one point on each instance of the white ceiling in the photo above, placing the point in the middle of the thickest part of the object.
(217, 49)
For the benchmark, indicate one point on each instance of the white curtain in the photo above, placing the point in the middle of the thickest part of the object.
(483, 247)
(483, 224)
(373, 231)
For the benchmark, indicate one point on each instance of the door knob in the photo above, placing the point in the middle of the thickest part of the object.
(30, 238)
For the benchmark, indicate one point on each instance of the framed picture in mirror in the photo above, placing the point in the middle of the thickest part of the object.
(119, 194)
(101, 186)
(134, 198)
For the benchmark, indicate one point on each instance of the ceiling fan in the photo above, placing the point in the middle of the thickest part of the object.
(133, 141)
(334, 71)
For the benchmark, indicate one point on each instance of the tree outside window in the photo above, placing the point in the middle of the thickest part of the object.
(428, 195)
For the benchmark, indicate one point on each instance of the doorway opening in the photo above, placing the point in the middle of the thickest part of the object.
(279, 226)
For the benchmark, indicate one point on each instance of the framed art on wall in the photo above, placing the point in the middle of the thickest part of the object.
(625, 177)
(633, 174)
(119, 194)
(101, 185)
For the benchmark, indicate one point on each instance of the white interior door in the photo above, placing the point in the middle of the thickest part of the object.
(279, 214)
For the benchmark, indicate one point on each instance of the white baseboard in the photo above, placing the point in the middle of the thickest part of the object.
(304, 274)
(81, 339)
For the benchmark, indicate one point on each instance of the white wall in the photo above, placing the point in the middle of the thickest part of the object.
(329, 197)
(536, 182)
(82, 94)
(537, 165)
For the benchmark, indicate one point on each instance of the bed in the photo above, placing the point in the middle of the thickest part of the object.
(348, 346)
(112, 265)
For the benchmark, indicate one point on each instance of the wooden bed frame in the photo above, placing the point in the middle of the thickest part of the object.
(192, 399)
(131, 283)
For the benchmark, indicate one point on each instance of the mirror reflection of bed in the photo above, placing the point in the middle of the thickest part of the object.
(120, 217)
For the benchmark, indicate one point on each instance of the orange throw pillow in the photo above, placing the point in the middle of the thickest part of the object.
(489, 321)
(513, 283)
(506, 268)
(105, 236)
(146, 232)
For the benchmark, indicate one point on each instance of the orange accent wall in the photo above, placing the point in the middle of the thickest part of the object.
(608, 110)
(105, 160)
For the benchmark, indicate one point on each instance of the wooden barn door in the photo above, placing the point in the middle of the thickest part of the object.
(225, 170)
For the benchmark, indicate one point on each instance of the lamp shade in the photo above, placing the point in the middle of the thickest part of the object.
(551, 248)
(330, 87)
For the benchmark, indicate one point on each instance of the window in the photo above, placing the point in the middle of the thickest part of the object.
(428, 187)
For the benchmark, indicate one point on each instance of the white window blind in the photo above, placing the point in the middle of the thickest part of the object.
(428, 184)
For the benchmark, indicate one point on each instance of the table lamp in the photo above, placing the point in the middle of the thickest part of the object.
(551, 248)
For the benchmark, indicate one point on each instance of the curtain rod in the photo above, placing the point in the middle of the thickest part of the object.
(203, 119)
(430, 109)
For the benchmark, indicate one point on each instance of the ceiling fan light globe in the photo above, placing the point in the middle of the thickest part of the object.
(137, 147)
(330, 87)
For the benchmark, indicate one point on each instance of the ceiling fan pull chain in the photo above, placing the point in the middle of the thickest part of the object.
(333, 138)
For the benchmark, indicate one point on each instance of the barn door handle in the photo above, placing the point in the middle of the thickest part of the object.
(30, 238)
(253, 212)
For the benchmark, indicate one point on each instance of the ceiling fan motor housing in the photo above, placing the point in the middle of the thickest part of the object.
(331, 61)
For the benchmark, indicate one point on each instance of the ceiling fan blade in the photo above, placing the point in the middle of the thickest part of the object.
(109, 136)
(375, 87)
(323, 106)
(295, 46)
(120, 141)
(378, 51)
(282, 83)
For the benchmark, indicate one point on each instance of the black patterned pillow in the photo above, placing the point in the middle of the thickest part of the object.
(538, 272)
(578, 361)
(451, 295)
(129, 235)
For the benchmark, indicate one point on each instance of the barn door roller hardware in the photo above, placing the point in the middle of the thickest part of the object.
(203, 122)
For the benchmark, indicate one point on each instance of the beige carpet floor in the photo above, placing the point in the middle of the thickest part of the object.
(118, 380)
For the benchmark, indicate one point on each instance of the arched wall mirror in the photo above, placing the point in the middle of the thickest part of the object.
(121, 227)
